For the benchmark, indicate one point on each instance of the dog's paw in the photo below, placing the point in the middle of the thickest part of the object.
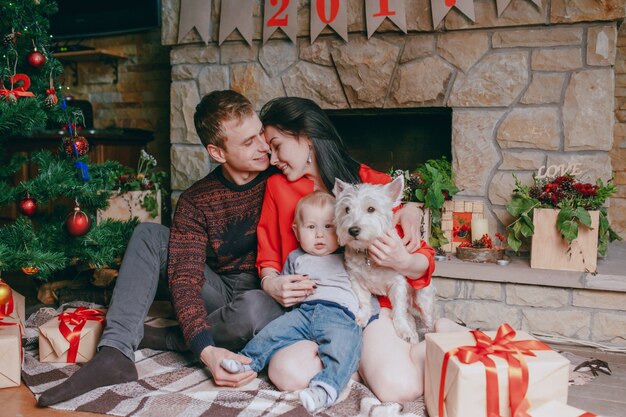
(362, 318)
(408, 335)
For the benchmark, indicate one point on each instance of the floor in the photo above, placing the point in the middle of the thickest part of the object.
(605, 395)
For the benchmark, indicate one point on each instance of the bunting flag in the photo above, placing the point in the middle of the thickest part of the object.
(377, 10)
(503, 4)
(440, 9)
(237, 14)
(195, 13)
(333, 13)
(280, 14)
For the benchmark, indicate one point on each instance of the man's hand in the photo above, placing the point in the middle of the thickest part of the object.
(410, 218)
(212, 357)
(289, 290)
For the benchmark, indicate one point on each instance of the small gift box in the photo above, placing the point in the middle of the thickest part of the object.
(11, 354)
(470, 374)
(13, 310)
(72, 336)
(557, 409)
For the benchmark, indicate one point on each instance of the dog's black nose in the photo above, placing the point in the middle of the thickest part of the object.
(354, 231)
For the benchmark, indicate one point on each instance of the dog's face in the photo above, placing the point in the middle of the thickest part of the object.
(365, 211)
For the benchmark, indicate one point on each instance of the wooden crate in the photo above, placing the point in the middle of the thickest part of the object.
(550, 251)
(127, 205)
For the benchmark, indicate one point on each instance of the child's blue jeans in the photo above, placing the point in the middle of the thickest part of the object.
(336, 333)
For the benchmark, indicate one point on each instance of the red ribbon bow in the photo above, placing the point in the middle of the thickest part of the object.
(505, 347)
(588, 414)
(77, 318)
(17, 91)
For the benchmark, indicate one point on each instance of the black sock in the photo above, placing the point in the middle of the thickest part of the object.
(163, 338)
(108, 367)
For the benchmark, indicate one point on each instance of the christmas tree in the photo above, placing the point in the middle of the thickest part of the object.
(48, 235)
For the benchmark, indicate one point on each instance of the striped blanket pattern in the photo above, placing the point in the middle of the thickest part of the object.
(174, 384)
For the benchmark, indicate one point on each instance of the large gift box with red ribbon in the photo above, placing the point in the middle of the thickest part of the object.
(13, 310)
(11, 354)
(72, 336)
(503, 373)
(557, 409)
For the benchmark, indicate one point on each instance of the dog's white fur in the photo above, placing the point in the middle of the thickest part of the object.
(363, 213)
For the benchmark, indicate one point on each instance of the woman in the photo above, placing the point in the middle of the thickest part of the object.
(306, 147)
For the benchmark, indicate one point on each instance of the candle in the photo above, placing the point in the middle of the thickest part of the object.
(480, 227)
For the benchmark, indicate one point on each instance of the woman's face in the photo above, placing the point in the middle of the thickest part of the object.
(289, 153)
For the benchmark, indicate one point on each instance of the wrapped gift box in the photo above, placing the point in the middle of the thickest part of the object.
(11, 354)
(127, 205)
(54, 346)
(465, 391)
(557, 409)
(14, 309)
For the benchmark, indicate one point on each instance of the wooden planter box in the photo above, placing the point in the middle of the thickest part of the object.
(480, 255)
(127, 205)
(550, 251)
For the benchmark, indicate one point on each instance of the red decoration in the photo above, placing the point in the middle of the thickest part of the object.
(82, 146)
(16, 92)
(5, 293)
(450, 3)
(77, 223)
(30, 270)
(36, 59)
(27, 206)
(51, 99)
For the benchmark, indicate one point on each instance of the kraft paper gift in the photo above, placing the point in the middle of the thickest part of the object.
(557, 409)
(470, 391)
(10, 355)
(14, 309)
(71, 337)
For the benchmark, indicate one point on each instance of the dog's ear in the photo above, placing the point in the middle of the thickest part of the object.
(339, 187)
(395, 189)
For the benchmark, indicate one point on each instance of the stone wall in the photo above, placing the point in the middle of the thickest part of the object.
(598, 316)
(140, 99)
(535, 86)
(618, 153)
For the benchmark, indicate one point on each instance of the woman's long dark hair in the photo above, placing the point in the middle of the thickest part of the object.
(300, 116)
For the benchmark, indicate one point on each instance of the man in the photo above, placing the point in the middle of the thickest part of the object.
(212, 251)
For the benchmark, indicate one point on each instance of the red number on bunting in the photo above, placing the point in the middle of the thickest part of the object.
(320, 5)
(384, 9)
(279, 21)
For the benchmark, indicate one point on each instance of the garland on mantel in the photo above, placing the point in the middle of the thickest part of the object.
(283, 14)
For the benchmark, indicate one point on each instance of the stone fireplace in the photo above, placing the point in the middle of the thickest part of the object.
(533, 87)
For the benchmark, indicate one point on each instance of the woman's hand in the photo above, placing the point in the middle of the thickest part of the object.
(289, 290)
(410, 218)
(389, 251)
(212, 357)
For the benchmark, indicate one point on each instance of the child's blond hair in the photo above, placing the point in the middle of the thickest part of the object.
(318, 199)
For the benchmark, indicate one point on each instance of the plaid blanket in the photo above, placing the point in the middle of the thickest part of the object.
(173, 384)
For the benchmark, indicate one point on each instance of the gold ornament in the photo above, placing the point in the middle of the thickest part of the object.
(5, 293)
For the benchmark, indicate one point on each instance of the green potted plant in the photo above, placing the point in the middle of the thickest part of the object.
(431, 184)
(575, 204)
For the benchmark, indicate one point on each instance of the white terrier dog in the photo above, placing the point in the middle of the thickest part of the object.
(363, 213)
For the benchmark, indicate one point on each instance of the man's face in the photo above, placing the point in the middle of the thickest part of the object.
(245, 150)
(315, 230)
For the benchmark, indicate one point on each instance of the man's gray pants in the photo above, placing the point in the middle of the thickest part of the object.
(237, 307)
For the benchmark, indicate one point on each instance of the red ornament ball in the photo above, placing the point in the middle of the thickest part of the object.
(82, 146)
(36, 59)
(30, 270)
(77, 223)
(27, 206)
